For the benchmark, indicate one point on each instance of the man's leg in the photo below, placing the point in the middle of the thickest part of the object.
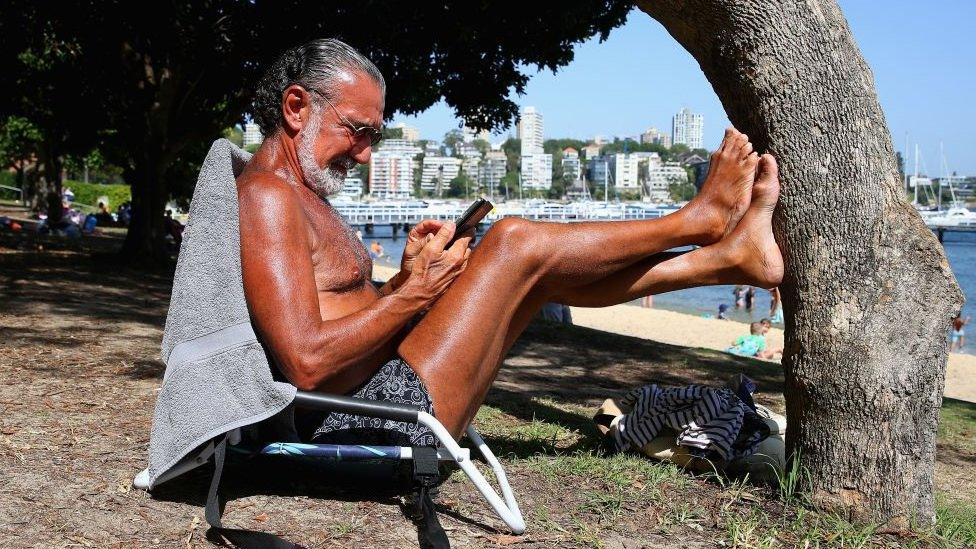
(458, 346)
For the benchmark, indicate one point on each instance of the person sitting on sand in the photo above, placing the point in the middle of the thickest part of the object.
(754, 344)
(436, 334)
(958, 333)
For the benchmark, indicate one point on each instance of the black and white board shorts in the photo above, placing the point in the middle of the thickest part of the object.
(395, 382)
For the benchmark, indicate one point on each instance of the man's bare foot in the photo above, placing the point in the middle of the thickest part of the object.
(725, 195)
(751, 248)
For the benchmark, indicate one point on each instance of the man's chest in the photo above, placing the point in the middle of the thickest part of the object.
(339, 258)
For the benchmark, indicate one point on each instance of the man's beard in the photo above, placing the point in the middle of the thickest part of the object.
(324, 182)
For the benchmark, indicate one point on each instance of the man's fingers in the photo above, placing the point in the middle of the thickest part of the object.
(460, 246)
(425, 227)
(440, 240)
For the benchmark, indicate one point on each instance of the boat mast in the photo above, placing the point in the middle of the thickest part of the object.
(915, 177)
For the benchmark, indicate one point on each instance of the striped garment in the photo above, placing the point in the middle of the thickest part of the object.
(714, 423)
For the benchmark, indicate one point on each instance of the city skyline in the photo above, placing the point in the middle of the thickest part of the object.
(640, 77)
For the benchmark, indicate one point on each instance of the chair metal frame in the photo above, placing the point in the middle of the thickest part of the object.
(504, 505)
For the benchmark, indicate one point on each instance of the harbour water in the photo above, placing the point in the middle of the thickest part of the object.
(960, 249)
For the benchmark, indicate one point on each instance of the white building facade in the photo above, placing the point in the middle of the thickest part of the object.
(437, 173)
(687, 129)
(252, 134)
(391, 169)
(571, 163)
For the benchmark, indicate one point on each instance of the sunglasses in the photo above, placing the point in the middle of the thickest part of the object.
(358, 132)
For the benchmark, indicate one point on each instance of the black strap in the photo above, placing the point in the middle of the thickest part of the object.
(426, 474)
(214, 510)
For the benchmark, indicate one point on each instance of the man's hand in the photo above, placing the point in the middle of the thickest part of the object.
(418, 237)
(434, 268)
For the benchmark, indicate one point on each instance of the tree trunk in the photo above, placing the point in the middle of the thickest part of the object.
(145, 241)
(868, 292)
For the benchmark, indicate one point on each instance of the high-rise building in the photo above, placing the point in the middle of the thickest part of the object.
(661, 176)
(352, 188)
(591, 151)
(437, 173)
(391, 169)
(537, 171)
(252, 134)
(492, 170)
(571, 163)
(686, 128)
(624, 169)
(530, 131)
(408, 133)
(470, 134)
(657, 137)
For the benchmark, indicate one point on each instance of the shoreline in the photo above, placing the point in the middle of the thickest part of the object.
(688, 330)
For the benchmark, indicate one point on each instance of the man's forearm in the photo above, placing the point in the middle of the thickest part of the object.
(335, 360)
(394, 283)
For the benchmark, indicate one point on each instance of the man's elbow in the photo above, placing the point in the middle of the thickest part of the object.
(307, 374)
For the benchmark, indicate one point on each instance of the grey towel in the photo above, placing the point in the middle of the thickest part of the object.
(217, 374)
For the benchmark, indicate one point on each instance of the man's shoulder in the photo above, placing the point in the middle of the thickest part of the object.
(265, 190)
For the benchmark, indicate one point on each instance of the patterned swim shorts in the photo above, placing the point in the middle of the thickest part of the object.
(396, 382)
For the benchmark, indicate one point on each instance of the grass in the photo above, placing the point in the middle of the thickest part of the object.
(609, 488)
(957, 424)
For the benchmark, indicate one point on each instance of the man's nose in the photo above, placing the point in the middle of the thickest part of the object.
(361, 153)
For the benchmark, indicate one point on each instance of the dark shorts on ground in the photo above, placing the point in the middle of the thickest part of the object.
(396, 382)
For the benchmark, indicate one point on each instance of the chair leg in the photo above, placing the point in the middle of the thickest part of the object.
(508, 509)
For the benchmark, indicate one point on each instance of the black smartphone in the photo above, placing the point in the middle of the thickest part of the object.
(470, 218)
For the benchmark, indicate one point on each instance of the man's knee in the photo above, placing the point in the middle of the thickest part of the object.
(513, 238)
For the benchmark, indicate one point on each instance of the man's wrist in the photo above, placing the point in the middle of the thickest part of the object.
(398, 279)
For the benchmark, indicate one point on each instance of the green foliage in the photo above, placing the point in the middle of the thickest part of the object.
(235, 135)
(19, 140)
(508, 186)
(682, 192)
(155, 90)
(392, 133)
(451, 140)
(461, 186)
(552, 146)
(619, 146)
(88, 194)
(482, 146)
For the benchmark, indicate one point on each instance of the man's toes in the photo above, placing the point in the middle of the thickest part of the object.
(728, 138)
(768, 169)
(746, 150)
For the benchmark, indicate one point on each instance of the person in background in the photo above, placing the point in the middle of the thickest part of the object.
(647, 301)
(721, 312)
(753, 344)
(375, 250)
(750, 297)
(958, 333)
(775, 306)
(173, 227)
(739, 294)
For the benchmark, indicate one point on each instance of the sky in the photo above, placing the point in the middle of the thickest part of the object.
(923, 56)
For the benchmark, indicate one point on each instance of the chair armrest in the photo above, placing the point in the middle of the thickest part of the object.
(356, 406)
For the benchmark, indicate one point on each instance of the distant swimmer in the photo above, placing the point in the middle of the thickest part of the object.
(958, 333)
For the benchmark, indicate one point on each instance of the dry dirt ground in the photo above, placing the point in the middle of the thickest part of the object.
(79, 371)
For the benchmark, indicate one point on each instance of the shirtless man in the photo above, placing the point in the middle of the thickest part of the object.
(307, 276)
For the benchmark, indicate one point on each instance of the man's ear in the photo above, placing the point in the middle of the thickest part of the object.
(296, 107)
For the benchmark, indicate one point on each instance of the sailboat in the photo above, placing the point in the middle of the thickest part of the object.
(957, 215)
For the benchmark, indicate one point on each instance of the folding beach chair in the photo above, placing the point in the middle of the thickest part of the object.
(426, 465)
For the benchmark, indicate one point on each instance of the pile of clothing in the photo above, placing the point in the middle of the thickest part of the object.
(700, 427)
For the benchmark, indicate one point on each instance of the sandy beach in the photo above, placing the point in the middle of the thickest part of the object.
(693, 331)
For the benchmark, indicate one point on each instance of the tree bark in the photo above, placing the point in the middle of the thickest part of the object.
(145, 239)
(868, 292)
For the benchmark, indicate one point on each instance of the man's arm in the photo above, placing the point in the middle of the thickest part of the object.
(281, 293)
